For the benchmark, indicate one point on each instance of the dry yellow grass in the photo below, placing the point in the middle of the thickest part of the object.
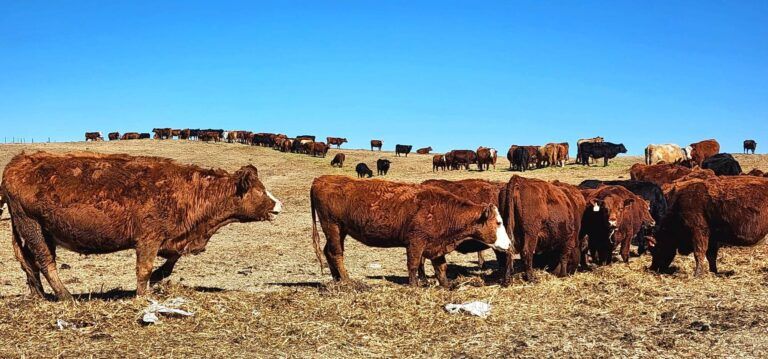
(258, 292)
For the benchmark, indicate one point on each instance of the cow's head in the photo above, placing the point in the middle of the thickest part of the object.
(610, 209)
(489, 229)
(343, 140)
(254, 202)
(622, 149)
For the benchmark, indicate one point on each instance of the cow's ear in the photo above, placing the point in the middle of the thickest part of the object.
(244, 179)
(628, 201)
(487, 213)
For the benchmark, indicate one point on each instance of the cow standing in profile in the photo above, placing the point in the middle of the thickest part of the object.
(404, 149)
(114, 136)
(93, 136)
(376, 144)
(429, 222)
(604, 150)
(95, 203)
(338, 141)
(424, 150)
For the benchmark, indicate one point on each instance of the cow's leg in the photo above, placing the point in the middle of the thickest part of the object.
(414, 253)
(700, 238)
(563, 266)
(146, 252)
(712, 255)
(43, 253)
(422, 273)
(526, 255)
(480, 259)
(165, 270)
(441, 267)
(605, 161)
(334, 251)
(28, 265)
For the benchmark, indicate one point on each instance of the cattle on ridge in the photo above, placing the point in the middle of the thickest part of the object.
(750, 145)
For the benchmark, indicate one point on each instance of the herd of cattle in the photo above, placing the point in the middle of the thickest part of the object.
(681, 200)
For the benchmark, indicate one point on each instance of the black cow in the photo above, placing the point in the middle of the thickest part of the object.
(382, 166)
(144, 136)
(403, 149)
(362, 170)
(750, 145)
(723, 164)
(520, 159)
(604, 150)
(649, 191)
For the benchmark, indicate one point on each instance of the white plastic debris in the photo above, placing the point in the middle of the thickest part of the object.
(63, 324)
(374, 265)
(480, 309)
(168, 308)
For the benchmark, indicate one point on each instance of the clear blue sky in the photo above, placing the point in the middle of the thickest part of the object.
(451, 74)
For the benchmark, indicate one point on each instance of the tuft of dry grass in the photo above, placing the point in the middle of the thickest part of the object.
(258, 292)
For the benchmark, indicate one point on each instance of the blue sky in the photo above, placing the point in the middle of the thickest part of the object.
(450, 74)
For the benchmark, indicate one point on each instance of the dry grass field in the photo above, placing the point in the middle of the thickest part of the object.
(257, 291)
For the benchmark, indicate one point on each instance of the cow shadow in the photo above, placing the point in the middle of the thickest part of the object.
(108, 296)
(453, 272)
(297, 284)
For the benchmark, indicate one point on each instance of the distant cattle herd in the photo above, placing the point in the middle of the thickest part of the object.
(681, 200)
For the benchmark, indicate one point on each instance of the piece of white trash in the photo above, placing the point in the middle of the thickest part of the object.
(480, 309)
(168, 308)
(374, 266)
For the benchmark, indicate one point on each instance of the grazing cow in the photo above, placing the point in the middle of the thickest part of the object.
(338, 141)
(429, 222)
(376, 144)
(300, 145)
(338, 160)
(613, 218)
(96, 203)
(750, 145)
(597, 139)
(287, 145)
(406, 149)
(604, 150)
(424, 151)
(650, 192)
(232, 136)
(144, 136)
(306, 137)
(521, 158)
(162, 133)
(382, 166)
(709, 212)
(486, 157)
(185, 134)
(544, 218)
(668, 153)
(319, 149)
(723, 164)
(93, 136)
(363, 170)
(460, 158)
(438, 162)
(478, 191)
(702, 150)
(130, 136)
(114, 136)
(564, 151)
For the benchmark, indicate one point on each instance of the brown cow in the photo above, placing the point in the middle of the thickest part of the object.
(614, 216)
(376, 144)
(427, 221)
(705, 213)
(338, 141)
(702, 150)
(318, 149)
(185, 134)
(756, 172)
(438, 162)
(93, 136)
(424, 151)
(542, 217)
(486, 157)
(95, 203)
(663, 175)
(130, 136)
(176, 133)
(162, 133)
(338, 160)
(208, 136)
(533, 155)
(114, 136)
(475, 190)
(287, 145)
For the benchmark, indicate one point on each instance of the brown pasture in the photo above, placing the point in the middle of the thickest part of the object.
(257, 291)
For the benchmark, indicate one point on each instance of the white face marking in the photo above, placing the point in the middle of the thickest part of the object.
(596, 208)
(612, 223)
(502, 240)
(278, 205)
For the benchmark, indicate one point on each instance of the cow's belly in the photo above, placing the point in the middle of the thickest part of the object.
(89, 232)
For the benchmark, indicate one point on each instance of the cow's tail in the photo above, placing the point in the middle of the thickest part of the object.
(315, 234)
